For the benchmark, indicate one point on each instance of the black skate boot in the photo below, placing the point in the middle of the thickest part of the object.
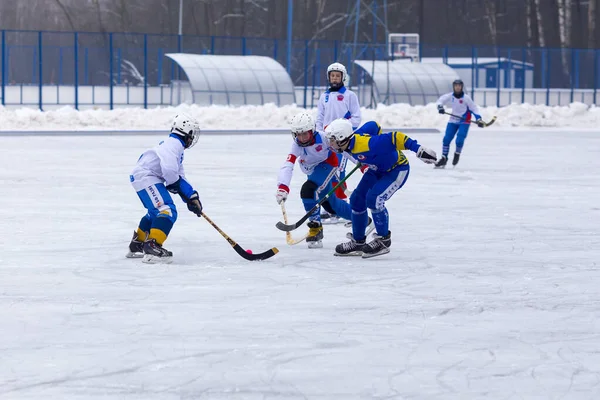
(351, 248)
(315, 235)
(456, 158)
(155, 253)
(441, 163)
(378, 246)
(136, 247)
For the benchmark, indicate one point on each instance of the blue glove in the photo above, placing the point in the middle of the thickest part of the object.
(441, 109)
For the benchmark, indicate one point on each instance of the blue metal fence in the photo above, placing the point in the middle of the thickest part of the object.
(45, 58)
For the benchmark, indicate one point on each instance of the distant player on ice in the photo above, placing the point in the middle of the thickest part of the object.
(318, 162)
(462, 106)
(387, 172)
(337, 101)
(158, 172)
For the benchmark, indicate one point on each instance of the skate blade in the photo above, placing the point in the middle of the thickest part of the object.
(134, 255)
(379, 253)
(440, 167)
(150, 259)
(315, 245)
(351, 254)
(332, 221)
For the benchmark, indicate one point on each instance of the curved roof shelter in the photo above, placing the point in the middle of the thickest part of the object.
(402, 81)
(236, 80)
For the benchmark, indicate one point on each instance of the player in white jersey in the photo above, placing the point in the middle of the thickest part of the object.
(337, 101)
(318, 162)
(159, 171)
(462, 107)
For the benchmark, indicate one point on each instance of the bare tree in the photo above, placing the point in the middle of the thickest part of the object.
(540, 24)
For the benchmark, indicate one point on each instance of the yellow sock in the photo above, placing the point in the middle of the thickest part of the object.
(157, 235)
(141, 235)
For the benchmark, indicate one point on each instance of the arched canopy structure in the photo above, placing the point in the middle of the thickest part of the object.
(236, 80)
(402, 81)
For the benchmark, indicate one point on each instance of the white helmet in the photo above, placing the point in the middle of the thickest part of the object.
(300, 123)
(187, 128)
(339, 132)
(337, 67)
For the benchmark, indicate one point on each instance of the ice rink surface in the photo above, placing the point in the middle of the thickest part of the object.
(491, 289)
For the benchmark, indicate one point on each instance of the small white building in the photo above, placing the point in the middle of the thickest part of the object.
(488, 72)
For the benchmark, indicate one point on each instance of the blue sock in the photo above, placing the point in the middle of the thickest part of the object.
(359, 224)
(308, 205)
(381, 219)
(445, 150)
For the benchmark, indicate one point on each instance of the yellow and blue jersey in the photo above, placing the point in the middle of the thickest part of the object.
(380, 151)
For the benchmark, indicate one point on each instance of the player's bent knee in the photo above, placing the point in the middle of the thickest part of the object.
(308, 190)
(168, 211)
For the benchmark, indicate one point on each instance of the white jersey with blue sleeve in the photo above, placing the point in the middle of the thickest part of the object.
(340, 104)
(463, 107)
(308, 158)
(162, 164)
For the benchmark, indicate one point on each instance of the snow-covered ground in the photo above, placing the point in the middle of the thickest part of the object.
(576, 115)
(490, 291)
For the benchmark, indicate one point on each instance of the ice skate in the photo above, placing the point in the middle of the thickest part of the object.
(351, 248)
(441, 163)
(136, 247)
(455, 159)
(380, 245)
(154, 253)
(330, 219)
(315, 235)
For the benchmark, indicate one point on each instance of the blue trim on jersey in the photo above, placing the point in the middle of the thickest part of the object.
(178, 138)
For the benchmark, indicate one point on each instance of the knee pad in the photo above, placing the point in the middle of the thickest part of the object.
(328, 208)
(308, 190)
(358, 201)
(168, 211)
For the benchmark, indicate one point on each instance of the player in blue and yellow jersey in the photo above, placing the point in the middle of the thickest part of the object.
(386, 171)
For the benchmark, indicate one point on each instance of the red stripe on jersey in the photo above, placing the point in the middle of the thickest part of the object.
(332, 159)
(291, 158)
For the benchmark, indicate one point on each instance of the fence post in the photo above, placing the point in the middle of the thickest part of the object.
(40, 71)
(179, 50)
(524, 69)
(498, 76)
(595, 74)
(3, 66)
(110, 69)
(335, 50)
(76, 76)
(547, 54)
(290, 24)
(145, 70)
(473, 69)
(305, 70)
(573, 79)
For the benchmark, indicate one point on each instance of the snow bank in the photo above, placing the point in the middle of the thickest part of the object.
(576, 115)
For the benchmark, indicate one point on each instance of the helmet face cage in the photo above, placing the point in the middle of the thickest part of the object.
(188, 128)
(339, 132)
(339, 68)
(301, 123)
(458, 82)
